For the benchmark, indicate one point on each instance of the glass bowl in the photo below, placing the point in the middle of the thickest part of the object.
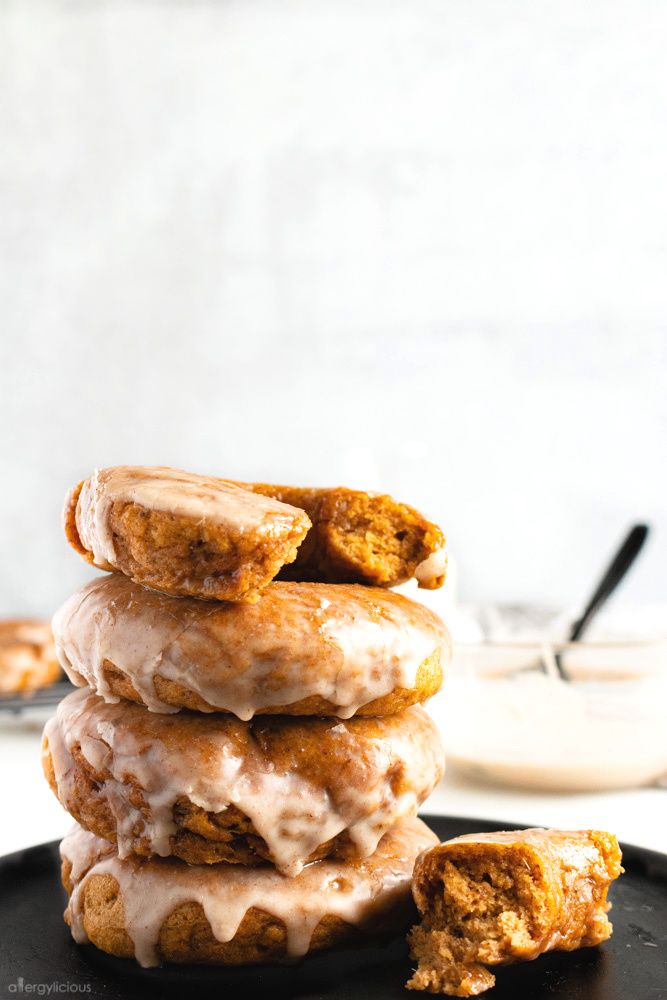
(505, 719)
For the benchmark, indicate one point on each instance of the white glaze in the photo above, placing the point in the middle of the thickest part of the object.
(432, 568)
(346, 643)
(217, 760)
(208, 500)
(373, 895)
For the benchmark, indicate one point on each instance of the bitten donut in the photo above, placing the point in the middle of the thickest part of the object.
(27, 656)
(360, 537)
(164, 910)
(500, 898)
(180, 533)
(208, 788)
(302, 649)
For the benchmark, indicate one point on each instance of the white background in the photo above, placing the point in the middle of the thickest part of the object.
(412, 245)
(415, 245)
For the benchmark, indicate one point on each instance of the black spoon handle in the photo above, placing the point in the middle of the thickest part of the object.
(618, 567)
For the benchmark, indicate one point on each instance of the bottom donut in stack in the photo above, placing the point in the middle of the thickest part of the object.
(165, 910)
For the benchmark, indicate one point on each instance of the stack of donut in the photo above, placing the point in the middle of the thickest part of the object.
(247, 751)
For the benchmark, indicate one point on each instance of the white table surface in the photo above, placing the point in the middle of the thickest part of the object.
(638, 816)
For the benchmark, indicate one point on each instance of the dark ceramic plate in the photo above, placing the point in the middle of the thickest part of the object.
(37, 951)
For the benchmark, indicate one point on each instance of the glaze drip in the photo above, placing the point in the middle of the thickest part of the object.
(300, 781)
(433, 568)
(373, 895)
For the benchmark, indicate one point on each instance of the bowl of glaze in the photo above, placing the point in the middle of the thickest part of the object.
(605, 728)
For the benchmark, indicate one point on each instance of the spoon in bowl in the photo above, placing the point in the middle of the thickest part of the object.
(615, 572)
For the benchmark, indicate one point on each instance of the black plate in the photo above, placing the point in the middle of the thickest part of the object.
(37, 950)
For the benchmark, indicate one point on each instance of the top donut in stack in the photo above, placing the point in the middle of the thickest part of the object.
(331, 640)
(194, 536)
(193, 626)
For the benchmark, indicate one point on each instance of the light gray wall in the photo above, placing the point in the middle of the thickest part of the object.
(418, 245)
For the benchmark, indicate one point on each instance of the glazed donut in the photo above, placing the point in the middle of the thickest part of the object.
(27, 656)
(207, 788)
(180, 533)
(302, 649)
(164, 910)
(360, 537)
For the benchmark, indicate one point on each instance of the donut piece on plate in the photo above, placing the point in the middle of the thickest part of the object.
(302, 649)
(360, 537)
(164, 910)
(208, 788)
(501, 898)
(181, 533)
